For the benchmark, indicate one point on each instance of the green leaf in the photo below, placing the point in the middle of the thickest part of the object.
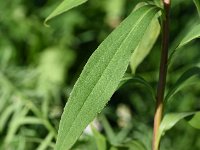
(130, 145)
(197, 4)
(195, 121)
(194, 33)
(169, 121)
(99, 138)
(137, 79)
(135, 145)
(145, 45)
(5, 115)
(123, 133)
(101, 76)
(180, 83)
(108, 130)
(46, 142)
(63, 7)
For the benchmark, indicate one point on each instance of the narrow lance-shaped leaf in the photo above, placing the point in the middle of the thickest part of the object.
(181, 81)
(101, 76)
(169, 121)
(63, 7)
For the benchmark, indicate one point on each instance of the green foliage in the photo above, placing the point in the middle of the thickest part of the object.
(145, 45)
(194, 33)
(197, 3)
(195, 121)
(170, 120)
(182, 81)
(39, 66)
(63, 7)
(128, 78)
(101, 77)
(99, 138)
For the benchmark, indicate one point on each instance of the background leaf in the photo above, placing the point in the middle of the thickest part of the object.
(195, 121)
(99, 138)
(181, 81)
(192, 34)
(128, 78)
(197, 4)
(169, 121)
(135, 145)
(63, 7)
(145, 45)
(101, 75)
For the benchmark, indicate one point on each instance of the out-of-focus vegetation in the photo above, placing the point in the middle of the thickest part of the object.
(39, 66)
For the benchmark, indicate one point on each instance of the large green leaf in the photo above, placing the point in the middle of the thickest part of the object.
(169, 121)
(181, 81)
(63, 7)
(101, 76)
(197, 4)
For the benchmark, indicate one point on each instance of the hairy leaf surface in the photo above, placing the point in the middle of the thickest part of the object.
(101, 76)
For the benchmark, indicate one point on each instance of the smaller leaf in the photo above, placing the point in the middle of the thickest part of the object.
(193, 34)
(145, 45)
(195, 121)
(181, 81)
(169, 121)
(113, 148)
(130, 145)
(63, 7)
(137, 79)
(5, 115)
(135, 145)
(197, 4)
(189, 36)
(46, 142)
(99, 138)
(120, 137)
(108, 129)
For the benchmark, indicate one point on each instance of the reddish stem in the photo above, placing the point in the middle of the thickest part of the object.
(162, 75)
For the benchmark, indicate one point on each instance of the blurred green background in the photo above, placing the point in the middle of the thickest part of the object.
(39, 66)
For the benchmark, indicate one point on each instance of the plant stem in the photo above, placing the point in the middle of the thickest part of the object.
(162, 75)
